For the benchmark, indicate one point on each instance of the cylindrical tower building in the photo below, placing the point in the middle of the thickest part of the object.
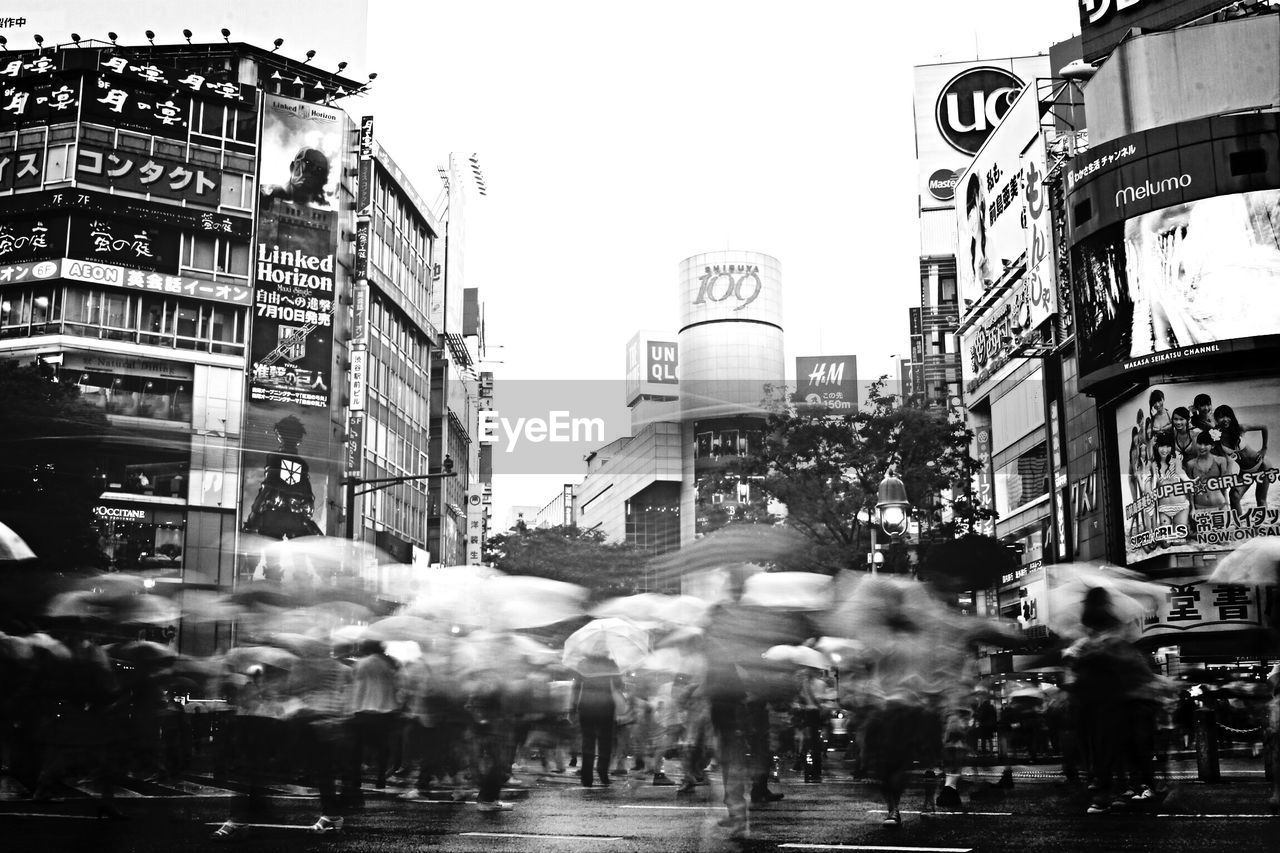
(731, 358)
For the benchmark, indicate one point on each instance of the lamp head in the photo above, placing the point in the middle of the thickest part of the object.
(447, 465)
(892, 506)
(226, 34)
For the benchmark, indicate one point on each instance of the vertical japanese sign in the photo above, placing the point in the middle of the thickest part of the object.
(475, 529)
(287, 429)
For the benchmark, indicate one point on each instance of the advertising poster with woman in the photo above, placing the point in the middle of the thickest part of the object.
(1196, 469)
(1178, 280)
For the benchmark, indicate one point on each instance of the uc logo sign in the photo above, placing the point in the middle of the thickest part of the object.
(972, 104)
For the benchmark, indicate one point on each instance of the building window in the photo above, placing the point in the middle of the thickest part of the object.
(217, 255)
(1021, 481)
(59, 163)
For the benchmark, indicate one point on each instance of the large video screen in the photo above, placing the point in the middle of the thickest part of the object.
(1194, 466)
(1178, 281)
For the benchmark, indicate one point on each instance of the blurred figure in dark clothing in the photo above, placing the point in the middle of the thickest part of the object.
(594, 701)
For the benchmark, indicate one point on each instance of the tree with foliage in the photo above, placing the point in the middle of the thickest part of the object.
(570, 554)
(50, 446)
(827, 469)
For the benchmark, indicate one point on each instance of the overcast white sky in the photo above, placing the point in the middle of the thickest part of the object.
(620, 138)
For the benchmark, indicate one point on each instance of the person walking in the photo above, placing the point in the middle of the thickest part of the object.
(318, 688)
(375, 707)
(596, 692)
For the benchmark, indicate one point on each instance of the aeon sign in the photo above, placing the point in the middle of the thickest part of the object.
(739, 284)
(971, 105)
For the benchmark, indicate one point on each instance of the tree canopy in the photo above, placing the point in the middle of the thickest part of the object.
(826, 469)
(570, 554)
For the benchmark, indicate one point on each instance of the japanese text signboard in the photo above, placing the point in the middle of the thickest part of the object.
(130, 244)
(1195, 604)
(1193, 469)
(143, 173)
(292, 341)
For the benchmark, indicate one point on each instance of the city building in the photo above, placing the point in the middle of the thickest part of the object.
(957, 106)
(179, 238)
(1174, 260)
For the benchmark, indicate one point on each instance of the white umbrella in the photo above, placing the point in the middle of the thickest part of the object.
(12, 547)
(400, 628)
(478, 596)
(788, 591)
(798, 655)
(617, 640)
(1254, 562)
(652, 608)
(675, 661)
(1129, 596)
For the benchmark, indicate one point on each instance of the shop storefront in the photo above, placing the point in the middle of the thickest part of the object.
(140, 538)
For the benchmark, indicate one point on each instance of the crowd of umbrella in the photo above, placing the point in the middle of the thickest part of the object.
(894, 643)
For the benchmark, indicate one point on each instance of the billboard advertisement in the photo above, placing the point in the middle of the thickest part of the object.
(287, 433)
(295, 256)
(1193, 466)
(826, 384)
(1178, 282)
(991, 199)
(957, 106)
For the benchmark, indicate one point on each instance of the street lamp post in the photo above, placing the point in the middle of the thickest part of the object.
(892, 512)
(375, 484)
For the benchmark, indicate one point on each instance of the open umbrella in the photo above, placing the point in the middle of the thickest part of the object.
(242, 657)
(788, 591)
(798, 655)
(1126, 597)
(616, 639)
(12, 547)
(142, 652)
(653, 608)
(1256, 561)
(400, 628)
(731, 545)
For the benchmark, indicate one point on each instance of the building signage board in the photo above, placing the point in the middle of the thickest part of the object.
(295, 258)
(957, 105)
(1005, 331)
(136, 172)
(1194, 604)
(991, 199)
(826, 384)
(1104, 23)
(359, 378)
(38, 101)
(652, 367)
(1172, 256)
(118, 102)
(32, 239)
(355, 445)
(111, 275)
(132, 244)
(22, 169)
(476, 513)
(1202, 483)
(730, 286)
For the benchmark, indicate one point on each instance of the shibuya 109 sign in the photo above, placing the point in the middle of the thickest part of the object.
(722, 286)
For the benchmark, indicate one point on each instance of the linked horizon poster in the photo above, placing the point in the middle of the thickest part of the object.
(1194, 466)
(1178, 281)
(288, 435)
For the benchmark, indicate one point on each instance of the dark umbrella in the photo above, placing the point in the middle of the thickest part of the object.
(262, 595)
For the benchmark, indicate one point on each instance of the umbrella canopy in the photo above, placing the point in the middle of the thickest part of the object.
(788, 591)
(1254, 562)
(652, 608)
(349, 634)
(142, 652)
(674, 661)
(480, 597)
(261, 594)
(400, 628)
(242, 657)
(618, 640)
(798, 655)
(202, 605)
(117, 609)
(1085, 597)
(12, 547)
(731, 545)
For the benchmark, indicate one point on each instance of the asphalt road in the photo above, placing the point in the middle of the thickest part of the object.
(558, 816)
